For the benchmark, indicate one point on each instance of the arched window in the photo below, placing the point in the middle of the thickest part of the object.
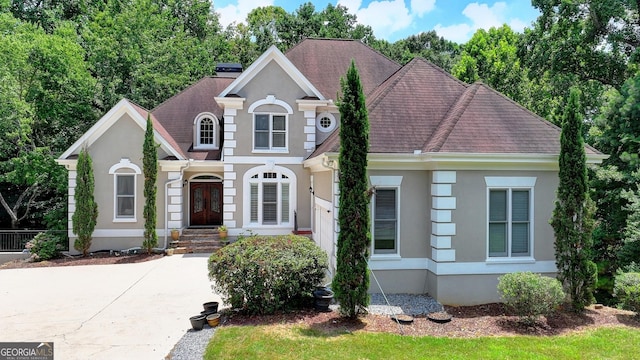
(269, 193)
(205, 132)
(125, 175)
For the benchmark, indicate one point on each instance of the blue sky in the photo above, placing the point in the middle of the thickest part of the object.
(456, 20)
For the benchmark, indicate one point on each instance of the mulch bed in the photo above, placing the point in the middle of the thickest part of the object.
(467, 322)
(100, 258)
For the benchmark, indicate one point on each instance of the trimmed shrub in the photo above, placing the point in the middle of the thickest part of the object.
(264, 274)
(627, 290)
(530, 295)
(45, 246)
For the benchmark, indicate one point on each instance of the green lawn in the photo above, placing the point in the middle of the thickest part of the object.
(296, 342)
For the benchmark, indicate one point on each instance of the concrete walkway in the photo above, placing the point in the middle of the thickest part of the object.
(124, 311)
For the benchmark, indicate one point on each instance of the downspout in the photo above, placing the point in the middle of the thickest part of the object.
(166, 201)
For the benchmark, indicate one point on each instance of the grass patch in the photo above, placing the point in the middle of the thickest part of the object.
(298, 342)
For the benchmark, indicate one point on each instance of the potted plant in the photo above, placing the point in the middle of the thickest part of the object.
(175, 234)
(222, 231)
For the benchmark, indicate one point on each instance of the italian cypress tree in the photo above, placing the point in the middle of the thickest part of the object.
(351, 281)
(150, 170)
(572, 219)
(86, 212)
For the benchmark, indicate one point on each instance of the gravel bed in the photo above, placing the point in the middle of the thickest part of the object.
(192, 345)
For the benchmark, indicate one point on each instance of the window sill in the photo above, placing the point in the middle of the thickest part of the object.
(512, 260)
(123, 220)
(384, 257)
(267, 151)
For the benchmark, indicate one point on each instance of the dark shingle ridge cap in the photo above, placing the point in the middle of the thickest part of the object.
(448, 123)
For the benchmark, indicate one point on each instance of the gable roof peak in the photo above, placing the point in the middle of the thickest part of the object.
(271, 54)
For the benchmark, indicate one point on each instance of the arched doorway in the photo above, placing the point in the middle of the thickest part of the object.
(205, 201)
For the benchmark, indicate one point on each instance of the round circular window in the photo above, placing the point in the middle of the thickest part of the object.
(326, 122)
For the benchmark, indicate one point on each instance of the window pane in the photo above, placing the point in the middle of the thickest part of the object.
(385, 222)
(285, 203)
(279, 140)
(254, 202)
(262, 140)
(262, 122)
(279, 123)
(270, 203)
(198, 200)
(125, 184)
(498, 205)
(520, 239)
(125, 206)
(206, 131)
(498, 239)
(385, 235)
(520, 205)
(385, 204)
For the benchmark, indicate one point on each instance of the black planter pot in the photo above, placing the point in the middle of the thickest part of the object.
(322, 297)
(198, 321)
(211, 307)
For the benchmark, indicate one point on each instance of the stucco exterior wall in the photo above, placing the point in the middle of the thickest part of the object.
(467, 289)
(271, 81)
(399, 281)
(470, 216)
(123, 140)
(323, 184)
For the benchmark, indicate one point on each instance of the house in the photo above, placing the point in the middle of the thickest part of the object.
(465, 178)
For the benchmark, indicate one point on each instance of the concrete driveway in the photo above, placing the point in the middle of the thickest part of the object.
(124, 311)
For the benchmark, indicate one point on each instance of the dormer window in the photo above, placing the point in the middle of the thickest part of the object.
(205, 132)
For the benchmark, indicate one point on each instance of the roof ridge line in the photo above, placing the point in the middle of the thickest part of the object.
(450, 120)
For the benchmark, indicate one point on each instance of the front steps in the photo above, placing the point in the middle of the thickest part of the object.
(197, 241)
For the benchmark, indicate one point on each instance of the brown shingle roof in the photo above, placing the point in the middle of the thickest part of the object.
(492, 123)
(421, 107)
(158, 127)
(178, 113)
(324, 61)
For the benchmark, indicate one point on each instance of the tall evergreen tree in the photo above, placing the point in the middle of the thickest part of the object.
(572, 219)
(150, 170)
(352, 279)
(86, 213)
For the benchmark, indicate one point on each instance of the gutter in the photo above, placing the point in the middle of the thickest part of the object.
(166, 201)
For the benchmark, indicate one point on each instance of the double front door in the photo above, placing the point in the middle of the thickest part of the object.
(206, 203)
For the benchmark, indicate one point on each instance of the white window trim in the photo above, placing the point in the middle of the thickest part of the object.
(270, 100)
(246, 191)
(197, 128)
(272, 149)
(386, 182)
(511, 183)
(334, 122)
(114, 170)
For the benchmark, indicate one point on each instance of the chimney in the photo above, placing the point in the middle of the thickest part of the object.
(228, 70)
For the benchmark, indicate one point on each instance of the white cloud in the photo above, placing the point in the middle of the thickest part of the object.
(481, 16)
(421, 7)
(458, 33)
(238, 13)
(385, 17)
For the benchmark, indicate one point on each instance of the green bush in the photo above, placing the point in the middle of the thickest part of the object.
(530, 295)
(627, 290)
(262, 274)
(45, 246)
